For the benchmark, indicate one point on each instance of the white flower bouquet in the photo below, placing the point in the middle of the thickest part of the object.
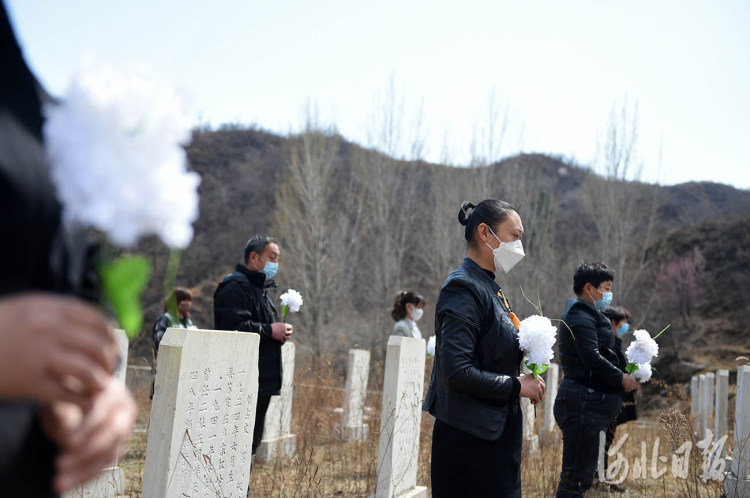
(640, 353)
(114, 144)
(291, 301)
(431, 346)
(537, 336)
(643, 373)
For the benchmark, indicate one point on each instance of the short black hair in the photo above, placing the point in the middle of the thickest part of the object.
(616, 313)
(257, 244)
(491, 212)
(591, 273)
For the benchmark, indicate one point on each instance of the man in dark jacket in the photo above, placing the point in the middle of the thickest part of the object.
(242, 303)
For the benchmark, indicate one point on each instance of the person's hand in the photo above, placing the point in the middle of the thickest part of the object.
(630, 384)
(534, 389)
(89, 440)
(53, 349)
(281, 331)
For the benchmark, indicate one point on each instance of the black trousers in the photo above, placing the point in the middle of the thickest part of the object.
(467, 466)
(260, 420)
(581, 413)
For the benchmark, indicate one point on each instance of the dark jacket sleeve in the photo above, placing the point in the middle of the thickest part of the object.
(160, 327)
(586, 343)
(460, 329)
(231, 311)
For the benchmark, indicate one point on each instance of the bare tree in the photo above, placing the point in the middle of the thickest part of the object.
(621, 210)
(316, 220)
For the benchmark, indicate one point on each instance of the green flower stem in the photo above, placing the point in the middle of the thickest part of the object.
(631, 368)
(122, 283)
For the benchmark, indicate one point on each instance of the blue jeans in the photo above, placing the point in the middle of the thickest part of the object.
(581, 413)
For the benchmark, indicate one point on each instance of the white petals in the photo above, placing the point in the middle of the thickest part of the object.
(643, 349)
(431, 346)
(643, 374)
(116, 159)
(292, 299)
(537, 336)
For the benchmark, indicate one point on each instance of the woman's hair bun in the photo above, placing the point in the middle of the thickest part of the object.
(465, 212)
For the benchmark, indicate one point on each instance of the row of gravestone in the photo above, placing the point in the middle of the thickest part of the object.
(709, 410)
(203, 414)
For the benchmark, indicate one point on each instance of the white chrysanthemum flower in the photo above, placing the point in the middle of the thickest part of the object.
(537, 336)
(643, 374)
(292, 299)
(643, 349)
(116, 156)
(431, 346)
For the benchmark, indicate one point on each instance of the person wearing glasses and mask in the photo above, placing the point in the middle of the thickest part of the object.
(408, 308)
(590, 394)
(476, 380)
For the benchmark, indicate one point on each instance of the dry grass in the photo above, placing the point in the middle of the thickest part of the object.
(326, 467)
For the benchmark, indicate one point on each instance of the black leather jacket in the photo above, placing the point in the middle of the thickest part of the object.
(587, 355)
(477, 355)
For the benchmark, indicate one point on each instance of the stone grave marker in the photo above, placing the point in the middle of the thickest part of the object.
(722, 405)
(401, 419)
(110, 482)
(702, 390)
(352, 426)
(530, 437)
(737, 482)
(277, 438)
(551, 379)
(695, 398)
(707, 403)
(202, 415)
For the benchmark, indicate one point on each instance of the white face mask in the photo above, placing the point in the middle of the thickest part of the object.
(508, 254)
(415, 313)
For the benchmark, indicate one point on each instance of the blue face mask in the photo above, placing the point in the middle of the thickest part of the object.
(606, 300)
(623, 329)
(269, 270)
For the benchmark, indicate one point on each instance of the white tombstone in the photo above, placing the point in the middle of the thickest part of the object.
(110, 482)
(707, 403)
(352, 426)
(277, 438)
(722, 404)
(530, 437)
(702, 389)
(401, 419)
(737, 482)
(203, 414)
(695, 398)
(551, 379)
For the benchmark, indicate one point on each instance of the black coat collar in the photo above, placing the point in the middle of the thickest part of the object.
(256, 278)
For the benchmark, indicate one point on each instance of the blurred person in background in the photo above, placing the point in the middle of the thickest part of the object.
(184, 300)
(63, 415)
(408, 308)
(619, 318)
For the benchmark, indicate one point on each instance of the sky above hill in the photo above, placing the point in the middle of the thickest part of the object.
(557, 69)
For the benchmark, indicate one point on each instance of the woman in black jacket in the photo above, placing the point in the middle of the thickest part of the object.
(590, 392)
(476, 381)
